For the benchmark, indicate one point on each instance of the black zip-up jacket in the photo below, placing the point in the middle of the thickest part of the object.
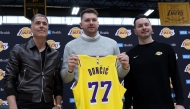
(25, 77)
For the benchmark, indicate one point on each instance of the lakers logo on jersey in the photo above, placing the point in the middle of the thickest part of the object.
(97, 61)
(98, 86)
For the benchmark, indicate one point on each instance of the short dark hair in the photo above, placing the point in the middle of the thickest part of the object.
(138, 17)
(88, 10)
(38, 15)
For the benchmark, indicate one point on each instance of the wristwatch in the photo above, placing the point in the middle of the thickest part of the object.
(59, 106)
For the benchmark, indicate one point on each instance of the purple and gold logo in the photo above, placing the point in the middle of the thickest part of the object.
(25, 32)
(186, 44)
(53, 44)
(123, 32)
(75, 32)
(187, 68)
(167, 32)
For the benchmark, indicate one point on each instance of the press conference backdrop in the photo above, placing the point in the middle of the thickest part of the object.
(59, 35)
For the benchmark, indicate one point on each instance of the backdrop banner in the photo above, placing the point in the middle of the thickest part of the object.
(58, 35)
(174, 13)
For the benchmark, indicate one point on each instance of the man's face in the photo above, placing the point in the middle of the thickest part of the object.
(39, 27)
(143, 28)
(89, 24)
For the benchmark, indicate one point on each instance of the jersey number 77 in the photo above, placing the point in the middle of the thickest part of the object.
(94, 85)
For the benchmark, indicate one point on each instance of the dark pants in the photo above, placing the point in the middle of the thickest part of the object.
(31, 105)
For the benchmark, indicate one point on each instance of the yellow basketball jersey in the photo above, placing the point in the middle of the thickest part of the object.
(98, 86)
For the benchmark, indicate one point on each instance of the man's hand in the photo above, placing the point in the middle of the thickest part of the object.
(179, 107)
(124, 60)
(56, 107)
(12, 102)
(72, 62)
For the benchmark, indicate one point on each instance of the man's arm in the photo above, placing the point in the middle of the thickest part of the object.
(12, 102)
(58, 100)
(58, 85)
(175, 76)
(10, 78)
(66, 76)
(122, 71)
(128, 84)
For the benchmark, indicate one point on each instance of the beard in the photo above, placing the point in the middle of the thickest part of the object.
(90, 31)
(145, 36)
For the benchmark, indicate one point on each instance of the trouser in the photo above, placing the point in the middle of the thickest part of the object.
(31, 105)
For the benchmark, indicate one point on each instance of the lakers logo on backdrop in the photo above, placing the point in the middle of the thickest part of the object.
(3, 46)
(25, 32)
(75, 32)
(1, 101)
(123, 32)
(53, 44)
(187, 69)
(167, 32)
(2, 73)
(186, 44)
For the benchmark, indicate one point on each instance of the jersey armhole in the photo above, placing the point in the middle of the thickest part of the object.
(116, 62)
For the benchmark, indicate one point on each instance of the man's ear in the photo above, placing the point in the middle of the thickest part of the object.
(135, 31)
(80, 25)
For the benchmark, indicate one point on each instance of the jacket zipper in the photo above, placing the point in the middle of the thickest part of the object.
(22, 78)
(43, 75)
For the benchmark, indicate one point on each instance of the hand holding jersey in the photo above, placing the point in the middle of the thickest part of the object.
(73, 58)
(72, 62)
(124, 60)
